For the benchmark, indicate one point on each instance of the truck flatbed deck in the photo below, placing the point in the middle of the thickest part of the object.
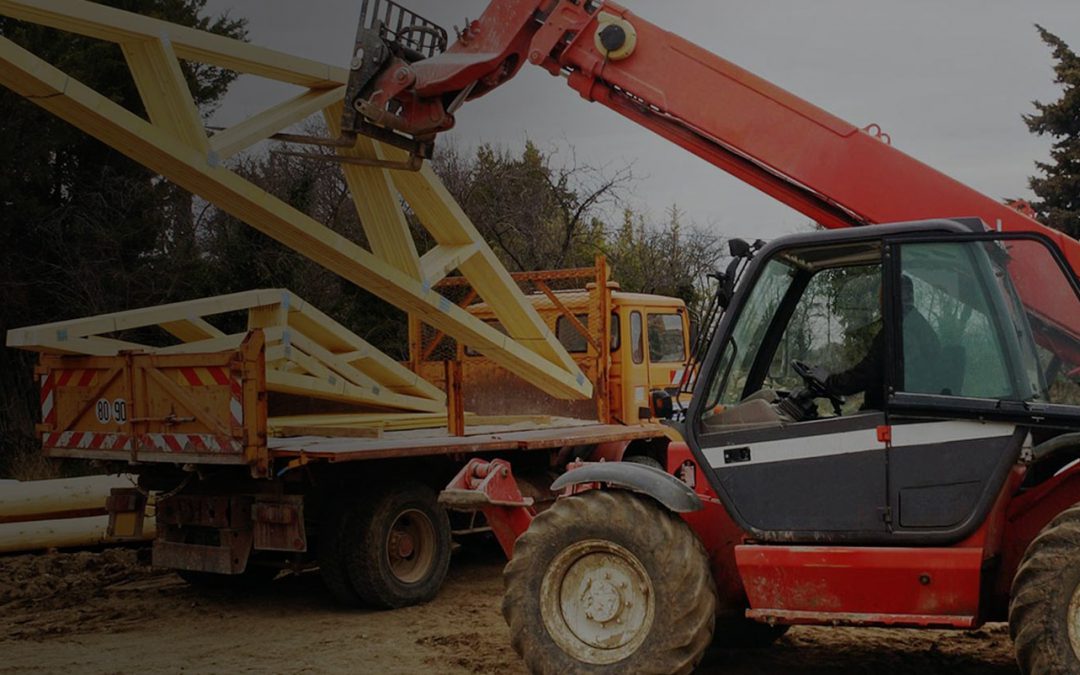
(491, 438)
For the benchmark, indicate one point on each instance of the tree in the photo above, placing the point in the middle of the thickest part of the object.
(86, 229)
(240, 258)
(1058, 188)
(535, 214)
(666, 258)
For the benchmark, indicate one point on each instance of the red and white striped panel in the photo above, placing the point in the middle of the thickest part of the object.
(171, 443)
(48, 399)
(236, 404)
(85, 440)
(190, 443)
(217, 376)
(76, 377)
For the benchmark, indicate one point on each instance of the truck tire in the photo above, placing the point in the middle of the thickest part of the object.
(1044, 605)
(609, 582)
(397, 546)
(742, 633)
(333, 566)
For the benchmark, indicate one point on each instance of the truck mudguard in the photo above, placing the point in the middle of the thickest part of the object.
(661, 486)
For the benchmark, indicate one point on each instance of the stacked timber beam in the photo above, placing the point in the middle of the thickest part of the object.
(174, 143)
(307, 352)
(64, 513)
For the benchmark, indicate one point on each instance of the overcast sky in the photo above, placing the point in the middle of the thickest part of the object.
(947, 79)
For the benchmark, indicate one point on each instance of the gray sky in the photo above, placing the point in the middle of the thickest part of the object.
(947, 79)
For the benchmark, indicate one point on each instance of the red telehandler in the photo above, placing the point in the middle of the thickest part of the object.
(940, 495)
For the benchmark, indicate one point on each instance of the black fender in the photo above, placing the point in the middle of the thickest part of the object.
(652, 482)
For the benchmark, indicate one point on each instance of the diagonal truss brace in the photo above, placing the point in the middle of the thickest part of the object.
(174, 143)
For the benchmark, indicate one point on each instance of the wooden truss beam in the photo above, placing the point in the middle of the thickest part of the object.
(174, 144)
(307, 352)
(114, 25)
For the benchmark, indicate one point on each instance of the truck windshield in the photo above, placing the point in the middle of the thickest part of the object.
(733, 367)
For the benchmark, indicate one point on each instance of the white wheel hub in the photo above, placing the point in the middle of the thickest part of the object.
(597, 601)
(1073, 620)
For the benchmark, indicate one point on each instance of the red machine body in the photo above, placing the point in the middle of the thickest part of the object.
(834, 172)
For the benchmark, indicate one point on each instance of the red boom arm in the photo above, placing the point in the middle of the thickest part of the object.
(826, 168)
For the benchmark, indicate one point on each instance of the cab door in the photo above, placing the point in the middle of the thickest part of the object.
(634, 369)
(959, 404)
(814, 480)
(666, 340)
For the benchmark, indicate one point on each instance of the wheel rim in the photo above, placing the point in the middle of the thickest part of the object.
(1073, 621)
(410, 546)
(597, 602)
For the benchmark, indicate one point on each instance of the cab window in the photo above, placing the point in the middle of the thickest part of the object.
(616, 335)
(666, 339)
(733, 369)
(637, 349)
(569, 336)
(833, 325)
(951, 345)
(573, 341)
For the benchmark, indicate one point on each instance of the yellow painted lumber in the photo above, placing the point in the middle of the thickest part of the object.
(188, 168)
(172, 146)
(164, 90)
(333, 389)
(342, 432)
(192, 329)
(106, 23)
(261, 126)
(377, 203)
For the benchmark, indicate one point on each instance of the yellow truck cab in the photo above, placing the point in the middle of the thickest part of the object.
(647, 344)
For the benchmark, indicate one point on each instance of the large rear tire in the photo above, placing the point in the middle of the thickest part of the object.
(609, 582)
(397, 546)
(1044, 609)
(333, 566)
(386, 549)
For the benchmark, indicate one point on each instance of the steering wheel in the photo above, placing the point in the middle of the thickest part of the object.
(816, 386)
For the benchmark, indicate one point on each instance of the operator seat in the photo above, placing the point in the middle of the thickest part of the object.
(756, 411)
(953, 365)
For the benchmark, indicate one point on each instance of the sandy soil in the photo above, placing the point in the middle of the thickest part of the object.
(103, 612)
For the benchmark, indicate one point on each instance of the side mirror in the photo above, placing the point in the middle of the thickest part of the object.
(738, 248)
(661, 404)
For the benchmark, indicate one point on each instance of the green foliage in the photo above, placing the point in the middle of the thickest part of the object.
(540, 215)
(85, 229)
(240, 258)
(663, 258)
(535, 215)
(1058, 188)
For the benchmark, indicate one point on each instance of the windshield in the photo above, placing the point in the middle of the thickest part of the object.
(733, 367)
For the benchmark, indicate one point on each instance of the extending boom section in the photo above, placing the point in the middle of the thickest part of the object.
(830, 170)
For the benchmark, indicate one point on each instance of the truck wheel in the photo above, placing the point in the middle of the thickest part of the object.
(746, 634)
(397, 546)
(609, 582)
(1044, 609)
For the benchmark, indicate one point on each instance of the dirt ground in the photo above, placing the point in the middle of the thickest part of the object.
(102, 612)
